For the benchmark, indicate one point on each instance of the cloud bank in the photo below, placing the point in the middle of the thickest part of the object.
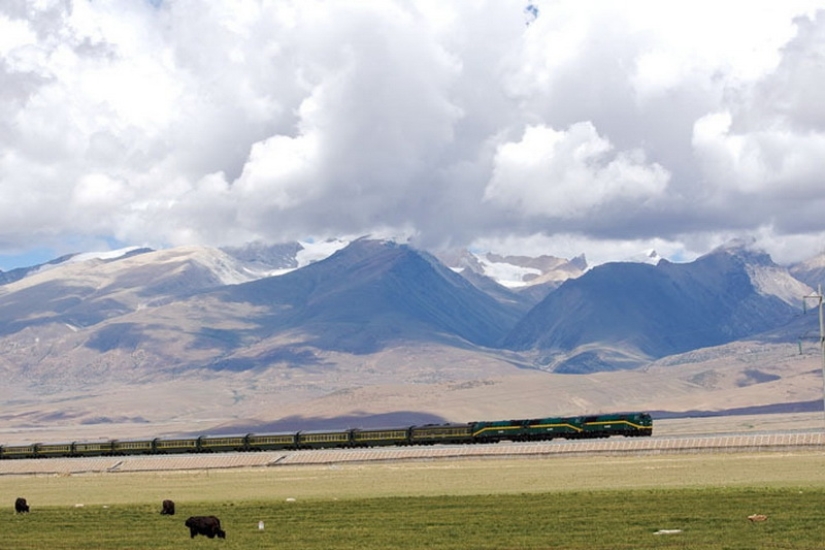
(550, 127)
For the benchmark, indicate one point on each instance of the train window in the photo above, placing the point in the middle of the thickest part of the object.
(134, 445)
(271, 440)
(223, 441)
(177, 443)
(322, 438)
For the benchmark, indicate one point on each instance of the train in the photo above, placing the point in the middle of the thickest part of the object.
(635, 424)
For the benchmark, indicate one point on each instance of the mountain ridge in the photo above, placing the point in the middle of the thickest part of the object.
(201, 331)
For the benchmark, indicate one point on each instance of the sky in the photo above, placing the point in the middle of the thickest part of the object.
(602, 128)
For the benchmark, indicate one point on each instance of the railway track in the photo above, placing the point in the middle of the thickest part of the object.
(720, 443)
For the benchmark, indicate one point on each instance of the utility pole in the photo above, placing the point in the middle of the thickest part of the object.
(819, 298)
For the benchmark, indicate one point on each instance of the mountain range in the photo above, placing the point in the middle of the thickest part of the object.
(299, 335)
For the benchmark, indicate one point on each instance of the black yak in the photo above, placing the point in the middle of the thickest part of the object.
(209, 526)
(168, 508)
(20, 505)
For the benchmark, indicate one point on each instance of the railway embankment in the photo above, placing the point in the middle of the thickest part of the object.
(718, 443)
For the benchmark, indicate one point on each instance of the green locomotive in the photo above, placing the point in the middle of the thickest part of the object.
(538, 429)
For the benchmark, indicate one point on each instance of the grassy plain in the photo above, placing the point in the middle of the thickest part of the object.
(590, 502)
(425, 478)
(593, 520)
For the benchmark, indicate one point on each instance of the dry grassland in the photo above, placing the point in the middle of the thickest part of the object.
(744, 424)
(426, 478)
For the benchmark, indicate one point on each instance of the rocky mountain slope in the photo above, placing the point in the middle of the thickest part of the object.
(370, 332)
(622, 315)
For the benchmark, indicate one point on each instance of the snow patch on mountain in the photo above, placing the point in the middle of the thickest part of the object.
(524, 271)
(308, 252)
(507, 274)
(312, 251)
(262, 260)
(105, 255)
(514, 272)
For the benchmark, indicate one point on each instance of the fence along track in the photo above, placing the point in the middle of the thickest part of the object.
(616, 446)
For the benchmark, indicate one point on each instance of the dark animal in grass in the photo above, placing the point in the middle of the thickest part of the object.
(168, 508)
(208, 526)
(20, 505)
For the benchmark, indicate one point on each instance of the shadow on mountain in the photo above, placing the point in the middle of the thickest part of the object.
(283, 355)
(123, 336)
(369, 295)
(777, 408)
(654, 311)
(226, 339)
(598, 360)
(54, 302)
(752, 377)
(300, 423)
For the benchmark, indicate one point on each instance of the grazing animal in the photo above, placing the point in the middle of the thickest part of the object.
(757, 517)
(20, 505)
(168, 508)
(208, 526)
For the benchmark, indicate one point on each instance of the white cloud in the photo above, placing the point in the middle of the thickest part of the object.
(99, 192)
(568, 174)
(770, 162)
(281, 173)
(213, 122)
(14, 34)
(707, 42)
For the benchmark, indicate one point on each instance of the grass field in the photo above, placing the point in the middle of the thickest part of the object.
(598, 502)
(706, 519)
